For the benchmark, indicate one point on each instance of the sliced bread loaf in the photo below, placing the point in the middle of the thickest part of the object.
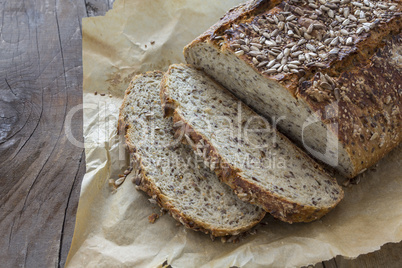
(268, 52)
(170, 174)
(261, 165)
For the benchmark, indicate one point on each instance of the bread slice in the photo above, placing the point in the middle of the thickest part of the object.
(256, 161)
(170, 174)
(269, 54)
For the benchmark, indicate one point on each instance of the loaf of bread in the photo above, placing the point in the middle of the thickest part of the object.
(169, 173)
(262, 166)
(326, 72)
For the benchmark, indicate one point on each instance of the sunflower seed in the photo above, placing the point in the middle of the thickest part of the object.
(334, 41)
(271, 71)
(334, 51)
(382, 6)
(325, 85)
(360, 30)
(292, 66)
(310, 28)
(346, 22)
(245, 48)
(336, 93)
(271, 63)
(311, 47)
(299, 11)
(329, 79)
(275, 33)
(276, 66)
(346, 12)
(270, 43)
(263, 63)
(253, 48)
(349, 41)
(320, 65)
(295, 71)
(255, 28)
(295, 62)
(281, 25)
(307, 36)
(339, 18)
(351, 17)
(297, 53)
(273, 53)
(281, 17)
(254, 53)
(313, 6)
(301, 42)
(357, 4)
(324, 8)
(291, 44)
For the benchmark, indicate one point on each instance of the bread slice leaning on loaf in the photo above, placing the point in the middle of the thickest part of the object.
(330, 70)
(169, 174)
(262, 166)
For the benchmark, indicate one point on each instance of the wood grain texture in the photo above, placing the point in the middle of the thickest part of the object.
(40, 170)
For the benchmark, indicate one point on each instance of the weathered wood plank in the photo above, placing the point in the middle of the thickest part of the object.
(390, 256)
(40, 171)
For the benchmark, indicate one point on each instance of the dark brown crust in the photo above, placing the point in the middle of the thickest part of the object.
(277, 206)
(352, 62)
(145, 184)
(366, 106)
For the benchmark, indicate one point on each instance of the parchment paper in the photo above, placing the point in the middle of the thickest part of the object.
(112, 228)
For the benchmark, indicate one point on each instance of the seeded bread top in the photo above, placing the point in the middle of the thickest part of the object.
(295, 38)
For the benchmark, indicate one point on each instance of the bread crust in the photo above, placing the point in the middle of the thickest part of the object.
(144, 183)
(277, 206)
(348, 63)
(370, 118)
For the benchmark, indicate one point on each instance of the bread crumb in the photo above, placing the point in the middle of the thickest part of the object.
(153, 217)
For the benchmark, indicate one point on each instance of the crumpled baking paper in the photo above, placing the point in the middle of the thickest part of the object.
(112, 228)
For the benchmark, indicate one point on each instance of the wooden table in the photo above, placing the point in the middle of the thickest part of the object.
(40, 170)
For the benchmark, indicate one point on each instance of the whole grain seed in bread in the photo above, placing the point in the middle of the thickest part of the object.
(299, 40)
(169, 173)
(256, 161)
